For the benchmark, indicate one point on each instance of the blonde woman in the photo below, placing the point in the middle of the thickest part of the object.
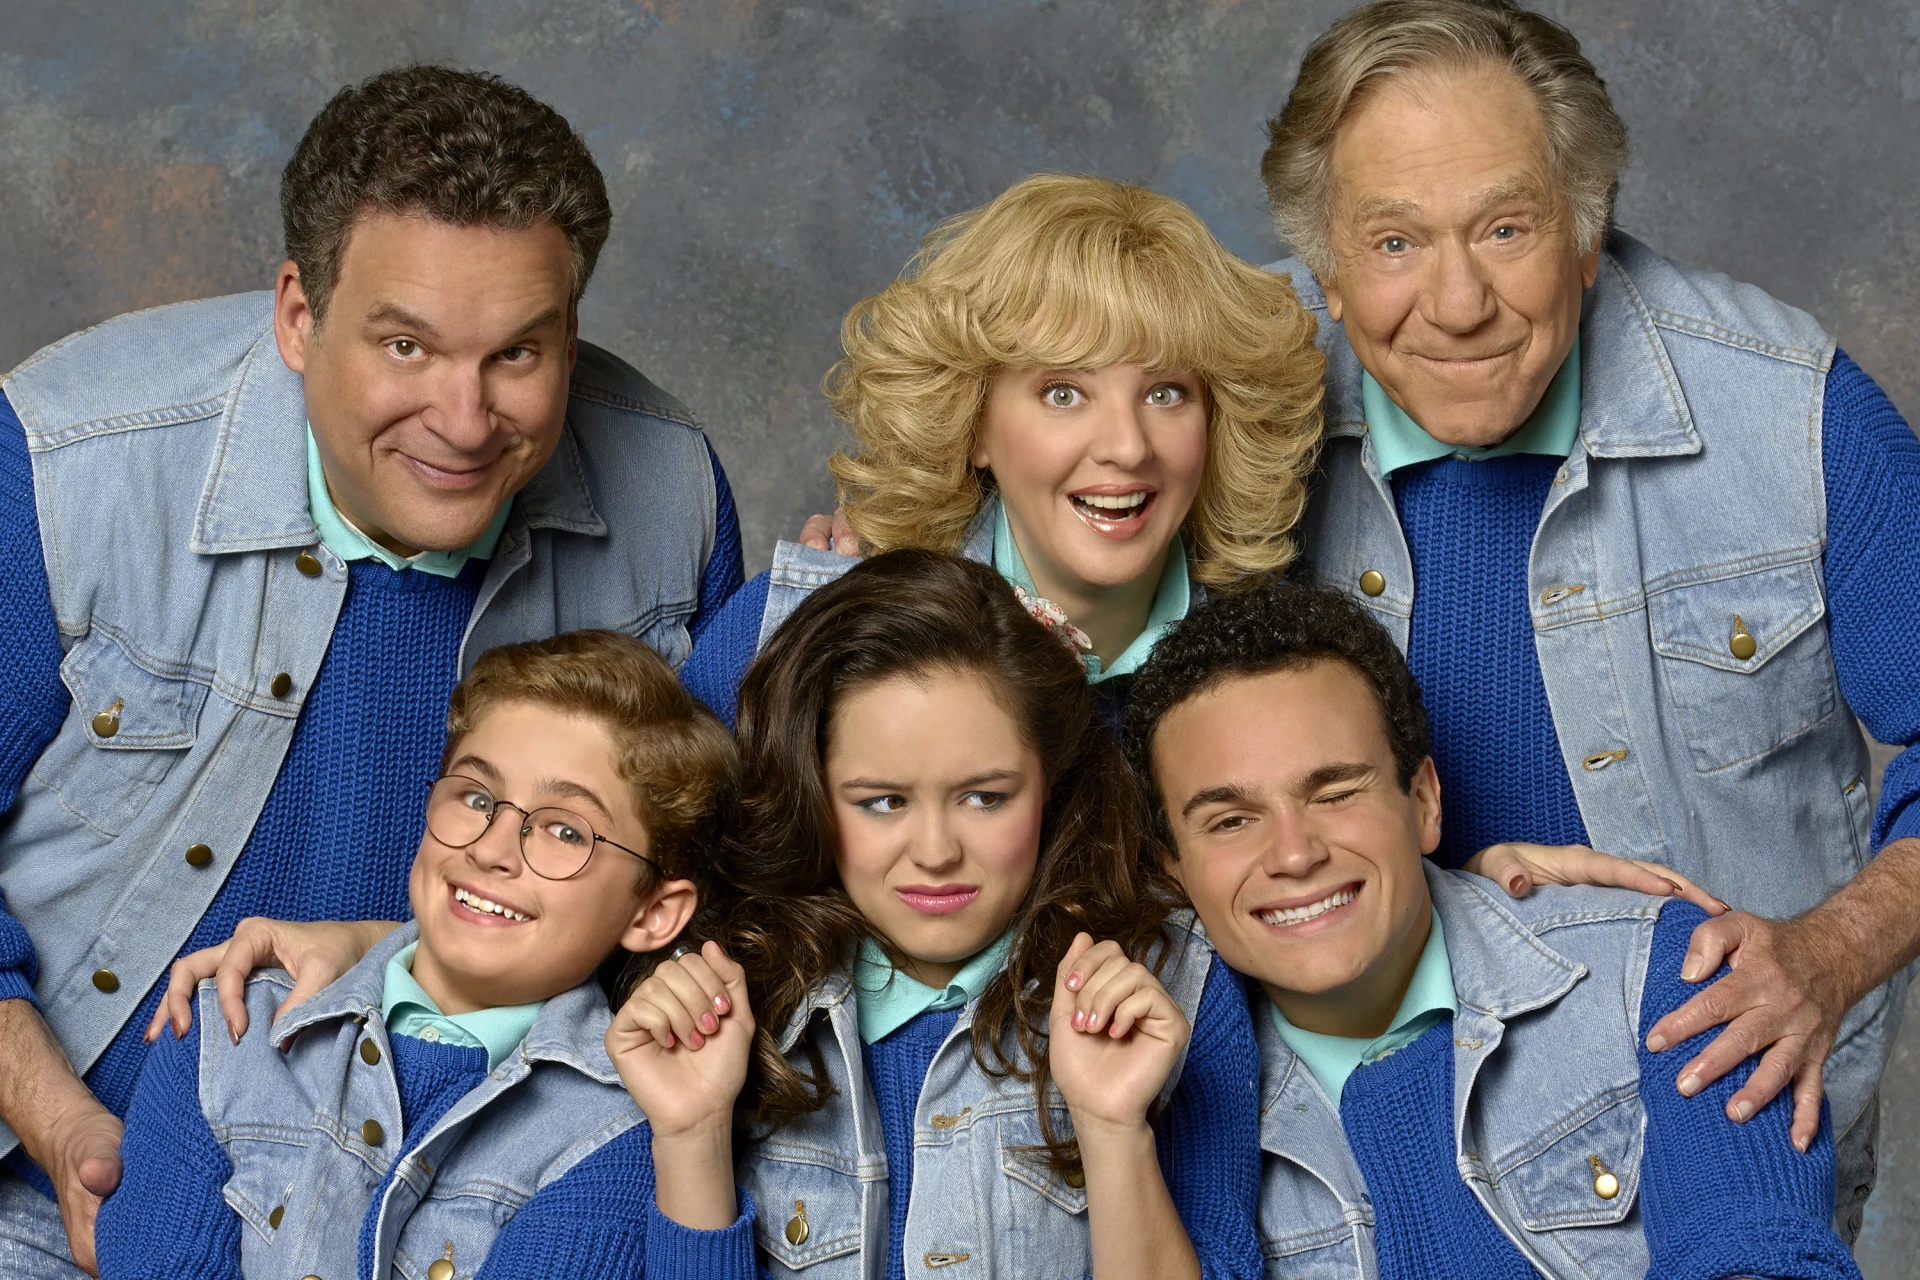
(1077, 384)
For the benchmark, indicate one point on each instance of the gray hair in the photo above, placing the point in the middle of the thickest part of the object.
(1378, 42)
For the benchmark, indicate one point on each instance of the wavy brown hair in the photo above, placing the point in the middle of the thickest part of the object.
(788, 920)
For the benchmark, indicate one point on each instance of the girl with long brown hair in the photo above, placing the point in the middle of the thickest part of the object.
(933, 1056)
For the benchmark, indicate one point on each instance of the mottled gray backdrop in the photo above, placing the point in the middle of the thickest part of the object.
(771, 163)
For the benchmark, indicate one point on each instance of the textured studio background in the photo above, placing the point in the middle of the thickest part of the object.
(770, 163)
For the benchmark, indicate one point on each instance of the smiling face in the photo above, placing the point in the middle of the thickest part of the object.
(437, 385)
(1456, 272)
(1098, 469)
(937, 801)
(1298, 847)
(492, 932)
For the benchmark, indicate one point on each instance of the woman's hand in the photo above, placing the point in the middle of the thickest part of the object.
(314, 954)
(1114, 1035)
(681, 1043)
(830, 533)
(1519, 867)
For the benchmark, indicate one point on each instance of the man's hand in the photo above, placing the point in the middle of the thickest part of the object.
(62, 1126)
(830, 533)
(1786, 995)
(314, 954)
(1519, 868)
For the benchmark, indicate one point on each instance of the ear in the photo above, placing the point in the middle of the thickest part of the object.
(1335, 307)
(1424, 788)
(662, 914)
(1590, 266)
(292, 317)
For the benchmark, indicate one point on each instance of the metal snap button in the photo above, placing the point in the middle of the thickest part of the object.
(199, 855)
(106, 980)
(278, 1216)
(370, 1053)
(797, 1229)
(1743, 645)
(1373, 582)
(1605, 1185)
(280, 685)
(372, 1134)
(308, 564)
(107, 723)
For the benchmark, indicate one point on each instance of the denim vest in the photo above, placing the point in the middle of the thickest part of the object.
(1526, 1124)
(291, 1107)
(169, 461)
(1694, 498)
(983, 1203)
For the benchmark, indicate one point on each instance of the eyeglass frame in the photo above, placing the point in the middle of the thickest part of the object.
(526, 828)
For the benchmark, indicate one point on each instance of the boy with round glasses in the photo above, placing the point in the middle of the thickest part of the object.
(448, 1107)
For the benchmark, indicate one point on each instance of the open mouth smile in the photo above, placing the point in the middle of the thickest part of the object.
(475, 909)
(1113, 513)
(1292, 917)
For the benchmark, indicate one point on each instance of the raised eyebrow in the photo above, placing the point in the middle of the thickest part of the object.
(392, 313)
(1229, 793)
(562, 789)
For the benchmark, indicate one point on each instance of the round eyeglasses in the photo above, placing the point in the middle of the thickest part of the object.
(555, 843)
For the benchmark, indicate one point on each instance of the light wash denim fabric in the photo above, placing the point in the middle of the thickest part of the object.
(1694, 495)
(288, 1107)
(169, 456)
(1526, 1123)
(983, 1204)
(33, 1240)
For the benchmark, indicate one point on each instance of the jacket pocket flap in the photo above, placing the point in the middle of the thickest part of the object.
(808, 1212)
(123, 705)
(1590, 1177)
(1736, 623)
(1023, 1157)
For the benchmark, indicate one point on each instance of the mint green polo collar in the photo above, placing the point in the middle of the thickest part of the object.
(339, 536)
(1429, 998)
(886, 999)
(1552, 427)
(1170, 600)
(409, 1011)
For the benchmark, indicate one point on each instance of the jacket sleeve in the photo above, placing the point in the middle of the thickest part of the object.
(169, 1219)
(599, 1219)
(724, 650)
(723, 573)
(33, 701)
(1870, 460)
(1208, 1138)
(1719, 1198)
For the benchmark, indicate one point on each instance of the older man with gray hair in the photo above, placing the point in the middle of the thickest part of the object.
(1649, 540)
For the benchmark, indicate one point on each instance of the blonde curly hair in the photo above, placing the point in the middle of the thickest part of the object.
(1077, 272)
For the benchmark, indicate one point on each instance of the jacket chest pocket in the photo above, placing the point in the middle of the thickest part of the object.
(1037, 1217)
(127, 729)
(1580, 1193)
(1744, 661)
(810, 1214)
(1305, 1232)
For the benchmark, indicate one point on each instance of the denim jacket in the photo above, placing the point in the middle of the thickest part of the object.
(1690, 514)
(291, 1109)
(169, 460)
(983, 1203)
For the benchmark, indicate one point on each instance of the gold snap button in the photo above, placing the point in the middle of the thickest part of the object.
(1742, 646)
(370, 1053)
(107, 723)
(199, 855)
(280, 685)
(797, 1230)
(1605, 1185)
(1373, 582)
(441, 1268)
(1075, 1178)
(372, 1134)
(106, 980)
(278, 1216)
(308, 564)
(309, 1278)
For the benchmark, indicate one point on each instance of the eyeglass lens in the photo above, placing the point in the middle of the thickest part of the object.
(556, 843)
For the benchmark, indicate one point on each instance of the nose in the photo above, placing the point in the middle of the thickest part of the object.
(1296, 850)
(1120, 432)
(458, 411)
(934, 845)
(1459, 296)
(498, 848)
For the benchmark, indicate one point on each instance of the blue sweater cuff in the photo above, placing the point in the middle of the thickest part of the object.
(1905, 824)
(1755, 1242)
(15, 986)
(674, 1251)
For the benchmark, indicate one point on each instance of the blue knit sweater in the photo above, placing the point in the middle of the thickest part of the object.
(1470, 527)
(1716, 1199)
(168, 1220)
(1208, 1139)
(337, 835)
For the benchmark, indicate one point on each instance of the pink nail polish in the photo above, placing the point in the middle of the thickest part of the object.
(1073, 982)
(709, 1023)
(720, 1003)
(1079, 1020)
(696, 1040)
(668, 1040)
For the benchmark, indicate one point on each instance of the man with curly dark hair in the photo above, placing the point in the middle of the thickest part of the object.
(248, 544)
(1454, 1083)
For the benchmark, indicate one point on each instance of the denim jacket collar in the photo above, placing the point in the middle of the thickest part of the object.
(1631, 405)
(1500, 967)
(255, 495)
(825, 997)
(570, 1030)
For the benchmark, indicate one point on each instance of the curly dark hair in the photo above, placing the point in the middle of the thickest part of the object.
(784, 914)
(461, 147)
(1280, 627)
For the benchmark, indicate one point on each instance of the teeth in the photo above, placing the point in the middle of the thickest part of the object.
(1295, 915)
(477, 903)
(1124, 502)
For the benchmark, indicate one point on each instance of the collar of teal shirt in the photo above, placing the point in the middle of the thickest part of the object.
(408, 1010)
(886, 999)
(339, 535)
(1170, 600)
(1429, 998)
(1552, 427)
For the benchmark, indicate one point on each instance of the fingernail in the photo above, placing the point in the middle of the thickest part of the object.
(1742, 1110)
(1690, 971)
(1093, 1022)
(667, 1040)
(720, 1003)
(709, 1023)
(1689, 1085)
(1079, 1020)
(1656, 1042)
(1114, 1030)
(1516, 886)
(1073, 981)
(696, 1039)
(1801, 1144)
